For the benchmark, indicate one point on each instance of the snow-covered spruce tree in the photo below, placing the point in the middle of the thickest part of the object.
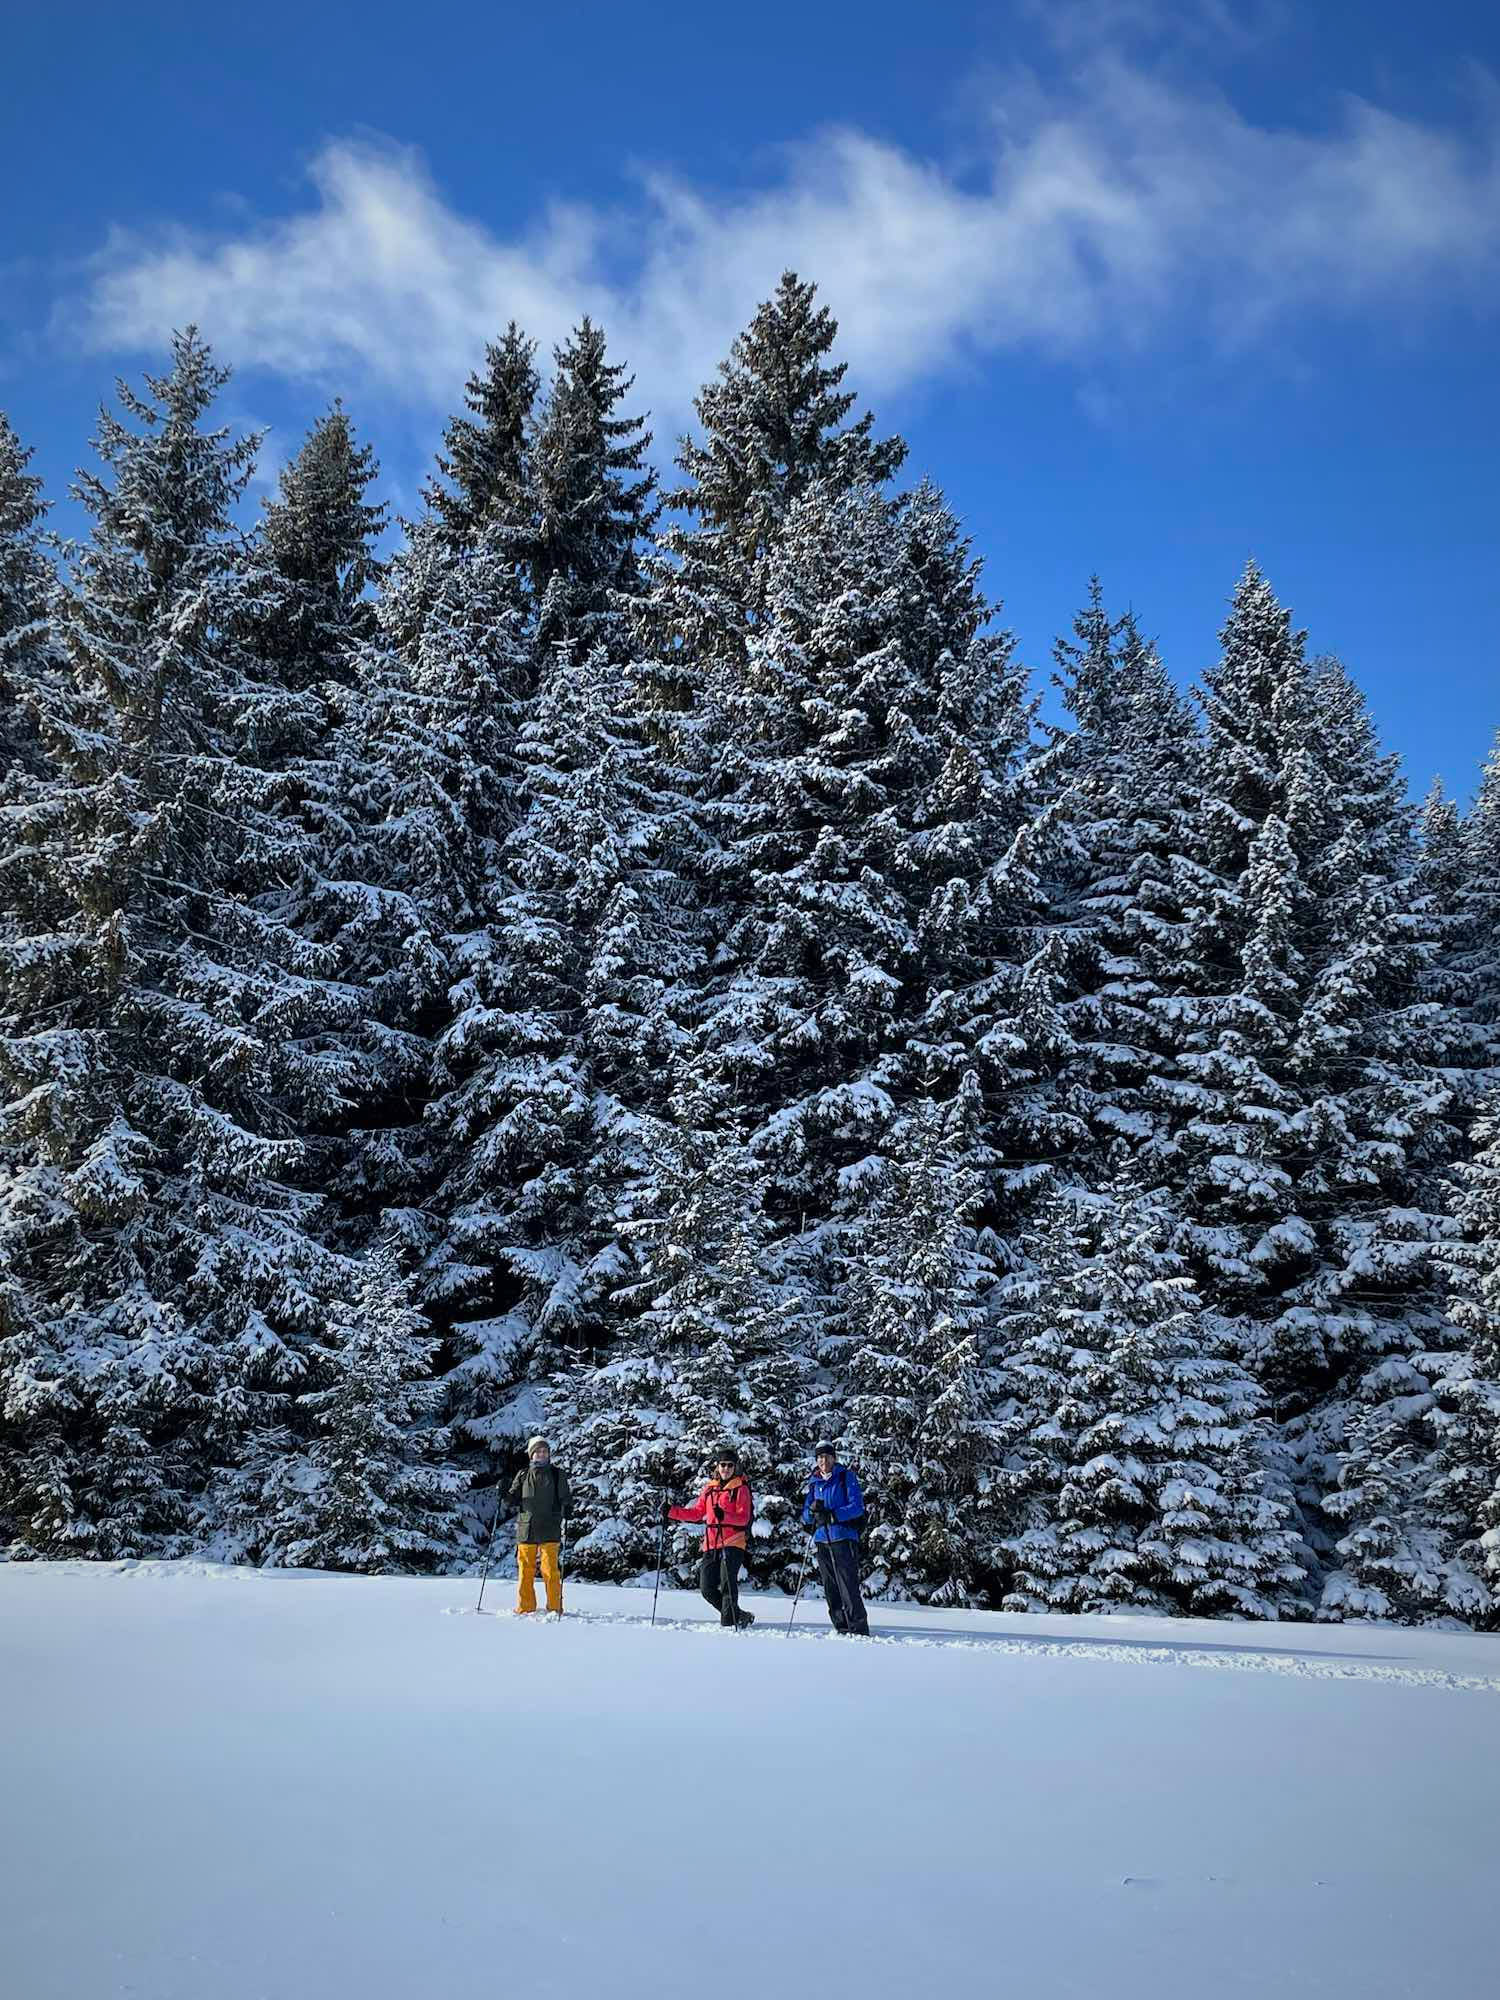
(1136, 1471)
(1472, 945)
(27, 584)
(871, 880)
(534, 1135)
(369, 1493)
(314, 550)
(1451, 924)
(871, 872)
(1465, 1496)
(1437, 883)
(1114, 793)
(309, 618)
(28, 657)
(529, 1240)
(482, 479)
(717, 1346)
(1420, 1471)
(302, 613)
(1226, 1015)
(594, 499)
(425, 761)
(412, 800)
(774, 425)
(165, 1269)
(441, 688)
(1408, 1072)
(774, 422)
(916, 1389)
(1300, 1108)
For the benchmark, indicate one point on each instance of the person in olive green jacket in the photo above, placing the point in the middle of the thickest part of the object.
(544, 1498)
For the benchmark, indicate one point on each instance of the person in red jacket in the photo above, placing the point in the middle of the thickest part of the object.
(725, 1509)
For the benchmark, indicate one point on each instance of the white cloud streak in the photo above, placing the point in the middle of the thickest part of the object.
(1121, 211)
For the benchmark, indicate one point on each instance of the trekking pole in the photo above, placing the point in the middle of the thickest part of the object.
(661, 1536)
(801, 1579)
(489, 1545)
(729, 1590)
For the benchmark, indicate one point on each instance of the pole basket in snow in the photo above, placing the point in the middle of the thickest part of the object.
(488, 1549)
(801, 1579)
(661, 1536)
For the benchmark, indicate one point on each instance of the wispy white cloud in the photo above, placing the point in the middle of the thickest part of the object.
(1121, 209)
(1224, 27)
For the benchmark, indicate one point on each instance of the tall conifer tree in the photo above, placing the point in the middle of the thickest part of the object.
(1137, 1468)
(716, 1348)
(166, 1265)
(918, 1388)
(368, 1494)
(530, 1132)
(27, 585)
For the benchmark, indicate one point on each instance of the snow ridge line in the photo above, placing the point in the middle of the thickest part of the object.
(1287, 1664)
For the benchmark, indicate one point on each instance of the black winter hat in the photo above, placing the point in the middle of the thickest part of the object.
(724, 1454)
(831, 1449)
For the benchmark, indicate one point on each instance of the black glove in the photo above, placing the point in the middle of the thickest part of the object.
(822, 1516)
(666, 1512)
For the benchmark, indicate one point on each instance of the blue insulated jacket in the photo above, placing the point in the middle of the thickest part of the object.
(840, 1494)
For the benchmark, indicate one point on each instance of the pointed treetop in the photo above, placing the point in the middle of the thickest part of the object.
(1487, 800)
(320, 528)
(594, 494)
(1087, 665)
(174, 483)
(21, 502)
(1438, 806)
(1255, 611)
(1440, 839)
(26, 583)
(771, 423)
(1257, 706)
(1158, 705)
(1258, 626)
(482, 467)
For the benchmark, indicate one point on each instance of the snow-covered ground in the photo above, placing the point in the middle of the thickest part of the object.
(239, 1785)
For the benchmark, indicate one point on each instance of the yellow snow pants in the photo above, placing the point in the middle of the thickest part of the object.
(526, 1555)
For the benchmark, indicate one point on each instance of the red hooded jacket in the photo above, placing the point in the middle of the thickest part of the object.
(725, 1509)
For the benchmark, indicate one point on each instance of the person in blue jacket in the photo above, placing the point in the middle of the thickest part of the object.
(835, 1511)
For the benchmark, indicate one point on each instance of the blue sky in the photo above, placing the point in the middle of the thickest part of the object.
(1150, 285)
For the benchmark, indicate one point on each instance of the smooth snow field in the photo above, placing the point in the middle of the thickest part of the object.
(246, 1785)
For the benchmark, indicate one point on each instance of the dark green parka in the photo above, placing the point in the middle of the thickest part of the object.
(543, 1495)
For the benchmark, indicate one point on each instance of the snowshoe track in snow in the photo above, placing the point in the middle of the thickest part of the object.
(1136, 1652)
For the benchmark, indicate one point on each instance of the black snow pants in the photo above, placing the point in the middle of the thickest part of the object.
(838, 1565)
(719, 1581)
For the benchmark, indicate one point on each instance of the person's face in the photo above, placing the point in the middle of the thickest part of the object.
(725, 1468)
(825, 1463)
(541, 1455)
